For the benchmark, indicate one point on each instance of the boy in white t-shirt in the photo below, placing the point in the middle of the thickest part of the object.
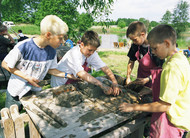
(32, 59)
(77, 60)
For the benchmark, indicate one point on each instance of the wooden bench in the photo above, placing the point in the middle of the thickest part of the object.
(13, 122)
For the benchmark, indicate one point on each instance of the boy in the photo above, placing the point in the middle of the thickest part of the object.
(4, 42)
(141, 52)
(77, 60)
(31, 59)
(172, 109)
(21, 35)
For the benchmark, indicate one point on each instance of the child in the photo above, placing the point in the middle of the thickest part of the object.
(172, 109)
(4, 42)
(141, 52)
(21, 35)
(77, 60)
(187, 52)
(31, 59)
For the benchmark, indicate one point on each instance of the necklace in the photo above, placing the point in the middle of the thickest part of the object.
(171, 56)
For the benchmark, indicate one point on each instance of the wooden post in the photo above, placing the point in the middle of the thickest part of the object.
(7, 123)
(13, 123)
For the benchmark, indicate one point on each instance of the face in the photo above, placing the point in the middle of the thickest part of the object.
(159, 49)
(88, 50)
(56, 40)
(138, 39)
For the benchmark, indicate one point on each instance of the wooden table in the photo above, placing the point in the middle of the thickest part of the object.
(89, 118)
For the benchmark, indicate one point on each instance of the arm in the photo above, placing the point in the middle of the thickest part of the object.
(58, 73)
(110, 74)
(19, 73)
(87, 77)
(159, 106)
(130, 66)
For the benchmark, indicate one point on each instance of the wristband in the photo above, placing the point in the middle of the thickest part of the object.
(66, 75)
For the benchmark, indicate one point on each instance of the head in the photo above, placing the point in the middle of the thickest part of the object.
(189, 47)
(3, 29)
(136, 31)
(162, 40)
(53, 29)
(89, 43)
(19, 31)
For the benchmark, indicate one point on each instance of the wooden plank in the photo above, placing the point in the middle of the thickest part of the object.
(8, 124)
(18, 122)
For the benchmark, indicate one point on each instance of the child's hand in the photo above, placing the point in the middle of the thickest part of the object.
(116, 89)
(71, 76)
(107, 90)
(141, 81)
(33, 81)
(128, 80)
(126, 107)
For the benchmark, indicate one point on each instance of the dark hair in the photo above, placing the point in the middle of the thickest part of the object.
(20, 31)
(162, 32)
(135, 27)
(90, 38)
(3, 28)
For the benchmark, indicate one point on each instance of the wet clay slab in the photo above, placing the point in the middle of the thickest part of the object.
(79, 110)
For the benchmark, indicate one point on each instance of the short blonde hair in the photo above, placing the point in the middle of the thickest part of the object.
(54, 25)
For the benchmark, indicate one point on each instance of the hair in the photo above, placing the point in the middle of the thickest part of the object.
(189, 47)
(20, 31)
(135, 27)
(90, 38)
(3, 28)
(54, 25)
(65, 37)
(162, 32)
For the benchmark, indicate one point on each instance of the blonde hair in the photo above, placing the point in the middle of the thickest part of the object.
(54, 25)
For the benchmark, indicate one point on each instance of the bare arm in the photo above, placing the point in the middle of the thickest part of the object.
(19, 73)
(130, 66)
(58, 73)
(110, 74)
(87, 77)
(159, 106)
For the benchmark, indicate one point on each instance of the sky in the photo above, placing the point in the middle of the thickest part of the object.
(153, 10)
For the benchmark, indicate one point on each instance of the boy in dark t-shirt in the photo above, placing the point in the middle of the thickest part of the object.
(141, 52)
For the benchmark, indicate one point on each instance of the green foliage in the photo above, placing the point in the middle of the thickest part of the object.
(180, 17)
(167, 18)
(182, 43)
(2, 100)
(121, 24)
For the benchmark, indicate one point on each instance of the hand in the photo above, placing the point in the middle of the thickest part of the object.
(116, 89)
(107, 90)
(126, 107)
(33, 81)
(71, 76)
(141, 81)
(128, 80)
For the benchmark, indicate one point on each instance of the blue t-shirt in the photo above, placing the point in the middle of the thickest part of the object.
(32, 61)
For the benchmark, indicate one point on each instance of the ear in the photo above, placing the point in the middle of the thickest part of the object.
(143, 33)
(81, 44)
(167, 43)
(48, 35)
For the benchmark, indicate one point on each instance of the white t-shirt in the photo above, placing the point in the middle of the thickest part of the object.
(72, 62)
(31, 60)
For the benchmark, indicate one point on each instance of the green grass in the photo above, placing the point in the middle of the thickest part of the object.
(182, 43)
(27, 29)
(2, 100)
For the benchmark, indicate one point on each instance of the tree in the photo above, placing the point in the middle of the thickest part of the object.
(121, 24)
(180, 17)
(167, 18)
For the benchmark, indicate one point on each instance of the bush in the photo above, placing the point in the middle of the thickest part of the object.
(121, 24)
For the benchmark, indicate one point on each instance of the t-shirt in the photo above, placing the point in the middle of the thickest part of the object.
(72, 63)
(4, 44)
(143, 51)
(31, 60)
(175, 89)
